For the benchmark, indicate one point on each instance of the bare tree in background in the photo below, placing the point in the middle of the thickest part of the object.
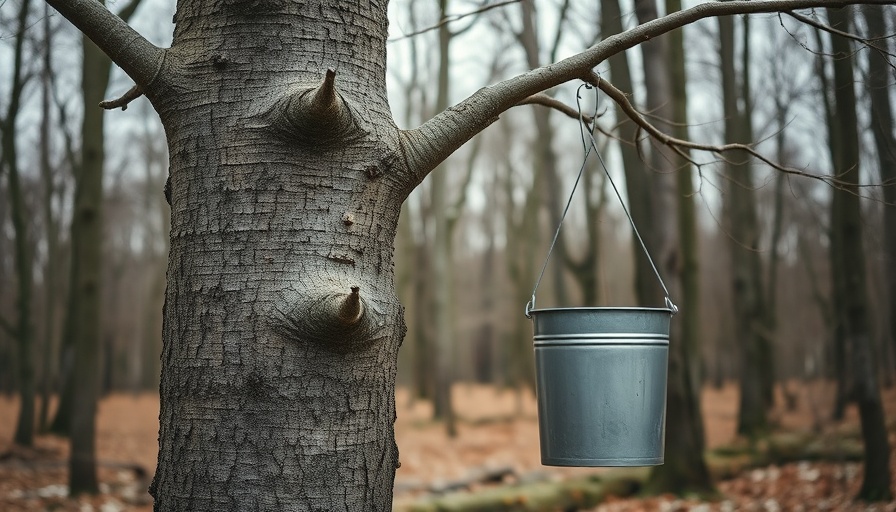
(22, 331)
(850, 291)
(878, 84)
(750, 313)
(83, 328)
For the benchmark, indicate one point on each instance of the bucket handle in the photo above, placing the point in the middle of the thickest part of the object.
(588, 148)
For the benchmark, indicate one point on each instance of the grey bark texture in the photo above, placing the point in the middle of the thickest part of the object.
(281, 324)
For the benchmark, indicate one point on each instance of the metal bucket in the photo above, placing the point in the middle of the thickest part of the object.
(601, 385)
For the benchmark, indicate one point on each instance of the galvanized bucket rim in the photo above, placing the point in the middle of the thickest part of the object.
(601, 308)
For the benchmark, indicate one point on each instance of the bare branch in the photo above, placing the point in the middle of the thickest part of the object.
(679, 145)
(132, 94)
(452, 18)
(139, 58)
(551, 102)
(426, 146)
(831, 30)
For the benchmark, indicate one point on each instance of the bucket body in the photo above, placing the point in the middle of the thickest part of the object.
(601, 385)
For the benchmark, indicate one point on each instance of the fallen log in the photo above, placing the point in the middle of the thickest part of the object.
(589, 491)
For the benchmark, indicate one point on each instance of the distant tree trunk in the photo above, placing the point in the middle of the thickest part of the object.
(23, 331)
(764, 328)
(777, 215)
(743, 226)
(837, 355)
(484, 340)
(584, 269)
(49, 352)
(87, 271)
(522, 239)
(424, 362)
(543, 148)
(848, 271)
(637, 174)
(685, 469)
(83, 328)
(878, 85)
(687, 216)
(442, 275)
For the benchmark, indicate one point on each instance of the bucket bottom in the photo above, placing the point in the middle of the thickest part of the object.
(589, 463)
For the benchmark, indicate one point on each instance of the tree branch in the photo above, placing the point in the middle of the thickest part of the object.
(139, 58)
(428, 145)
(680, 145)
(551, 102)
(454, 17)
(831, 30)
(132, 94)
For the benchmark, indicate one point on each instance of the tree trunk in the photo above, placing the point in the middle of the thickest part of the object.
(544, 159)
(685, 469)
(23, 331)
(878, 87)
(522, 239)
(49, 353)
(743, 246)
(281, 321)
(636, 172)
(687, 215)
(848, 267)
(442, 275)
(86, 286)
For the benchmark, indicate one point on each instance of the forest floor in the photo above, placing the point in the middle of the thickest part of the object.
(498, 436)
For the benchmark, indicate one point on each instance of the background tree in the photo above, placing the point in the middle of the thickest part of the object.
(686, 469)
(82, 333)
(877, 83)
(848, 267)
(752, 328)
(22, 331)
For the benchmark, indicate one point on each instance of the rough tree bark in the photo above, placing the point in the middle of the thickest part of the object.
(281, 325)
